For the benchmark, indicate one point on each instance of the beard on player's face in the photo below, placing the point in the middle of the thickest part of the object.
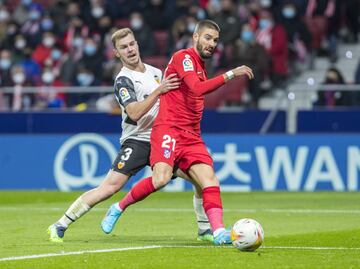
(205, 52)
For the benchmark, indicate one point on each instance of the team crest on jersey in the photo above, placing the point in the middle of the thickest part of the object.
(188, 64)
(124, 94)
(157, 79)
(120, 165)
(167, 153)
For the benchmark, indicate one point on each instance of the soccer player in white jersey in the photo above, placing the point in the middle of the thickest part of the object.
(137, 90)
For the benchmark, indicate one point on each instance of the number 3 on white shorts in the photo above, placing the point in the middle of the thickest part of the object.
(166, 143)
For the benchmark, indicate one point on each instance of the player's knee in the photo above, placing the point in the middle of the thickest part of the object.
(110, 188)
(161, 178)
(161, 175)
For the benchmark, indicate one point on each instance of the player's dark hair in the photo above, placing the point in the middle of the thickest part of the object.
(206, 24)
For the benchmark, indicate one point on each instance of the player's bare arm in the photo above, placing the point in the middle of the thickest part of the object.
(136, 110)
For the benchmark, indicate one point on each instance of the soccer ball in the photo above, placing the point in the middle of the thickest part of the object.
(247, 235)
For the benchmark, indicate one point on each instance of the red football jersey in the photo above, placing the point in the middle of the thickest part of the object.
(183, 107)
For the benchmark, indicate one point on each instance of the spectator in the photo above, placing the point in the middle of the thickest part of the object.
(155, 15)
(248, 52)
(352, 14)
(92, 58)
(333, 98)
(180, 37)
(84, 78)
(30, 67)
(143, 34)
(4, 21)
(19, 100)
(5, 67)
(272, 37)
(32, 26)
(21, 12)
(327, 9)
(43, 50)
(49, 95)
(18, 50)
(299, 37)
(228, 22)
(11, 32)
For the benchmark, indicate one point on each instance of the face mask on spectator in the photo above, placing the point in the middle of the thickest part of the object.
(265, 23)
(5, 64)
(20, 44)
(26, 2)
(4, 15)
(85, 79)
(77, 42)
(47, 77)
(34, 15)
(48, 42)
(200, 14)
(136, 24)
(191, 27)
(288, 12)
(90, 49)
(55, 54)
(265, 3)
(18, 78)
(47, 24)
(247, 35)
(97, 12)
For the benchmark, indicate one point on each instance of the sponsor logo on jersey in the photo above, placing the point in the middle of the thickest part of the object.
(120, 165)
(124, 94)
(167, 153)
(188, 64)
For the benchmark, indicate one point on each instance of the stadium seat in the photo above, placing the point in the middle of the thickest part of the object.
(230, 93)
(318, 29)
(161, 40)
(157, 61)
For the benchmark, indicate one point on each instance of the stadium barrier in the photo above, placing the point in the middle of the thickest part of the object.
(242, 162)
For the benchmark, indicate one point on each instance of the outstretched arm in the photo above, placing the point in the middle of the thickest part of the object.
(204, 87)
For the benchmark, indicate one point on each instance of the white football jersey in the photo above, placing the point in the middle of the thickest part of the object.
(133, 86)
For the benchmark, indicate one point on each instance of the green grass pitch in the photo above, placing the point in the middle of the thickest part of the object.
(302, 230)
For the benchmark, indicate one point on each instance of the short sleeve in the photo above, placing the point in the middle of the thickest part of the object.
(124, 91)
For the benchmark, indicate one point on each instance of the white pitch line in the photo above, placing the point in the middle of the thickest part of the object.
(312, 248)
(46, 255)
(245, 210)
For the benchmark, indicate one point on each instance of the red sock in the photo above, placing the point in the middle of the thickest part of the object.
(139, 192)
(213, 207)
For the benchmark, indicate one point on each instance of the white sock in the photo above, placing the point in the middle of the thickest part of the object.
(215, 233)
(75, 211)
(202, 219)
(117, 206)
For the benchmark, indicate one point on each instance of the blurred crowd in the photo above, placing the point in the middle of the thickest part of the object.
(67, 43)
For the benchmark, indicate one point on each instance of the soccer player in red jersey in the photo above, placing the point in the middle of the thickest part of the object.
(176, 139)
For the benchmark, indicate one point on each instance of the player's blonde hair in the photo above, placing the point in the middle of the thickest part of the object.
(119, 34)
